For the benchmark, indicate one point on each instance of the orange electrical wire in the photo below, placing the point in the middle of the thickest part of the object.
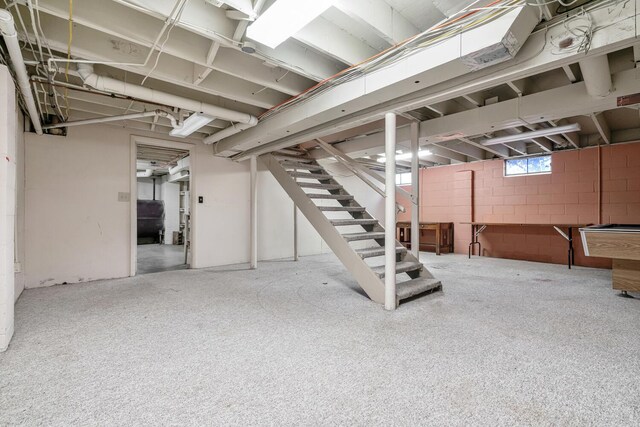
(338, 74)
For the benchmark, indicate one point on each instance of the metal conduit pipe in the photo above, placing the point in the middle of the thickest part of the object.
(596, 75)
(159, 113)
(108, 84)
(8, 30)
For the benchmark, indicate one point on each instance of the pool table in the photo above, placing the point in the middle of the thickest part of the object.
(621, 242)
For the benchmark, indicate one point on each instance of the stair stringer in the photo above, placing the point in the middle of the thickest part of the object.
(364, 275)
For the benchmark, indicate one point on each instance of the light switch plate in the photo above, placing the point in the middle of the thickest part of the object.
(124, 197)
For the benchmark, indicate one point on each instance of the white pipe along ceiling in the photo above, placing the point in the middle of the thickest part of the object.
(156, 113)
(470, 50)
(108, 84)
(8, 29)
(596, 75)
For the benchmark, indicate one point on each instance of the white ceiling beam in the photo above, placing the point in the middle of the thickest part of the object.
(471, 151)
(517, 87)
(497, 150)
(141, 30)
(519, 147)
(540, 142)
(437, 151)
(211, 22)
(435, 110)
(536, 56)
(474, 99)
(334, 42)
(572, 137)
(380, 17)
(200, 72)
(570, 74)
(198, 16)
(93, 45)
(602, 126)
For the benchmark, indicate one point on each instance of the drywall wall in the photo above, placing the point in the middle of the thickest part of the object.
(8, 170)
(170, 193)
(568, 195)
(19, 279)
(77, 230)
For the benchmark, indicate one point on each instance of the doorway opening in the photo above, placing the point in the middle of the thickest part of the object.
(162, 212)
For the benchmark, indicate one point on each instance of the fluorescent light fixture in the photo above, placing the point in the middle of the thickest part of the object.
(285, 18)
(191, 124)
(533, 134)
(405, 156)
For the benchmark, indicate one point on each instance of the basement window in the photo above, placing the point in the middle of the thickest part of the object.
(527, 166)
(403, 178)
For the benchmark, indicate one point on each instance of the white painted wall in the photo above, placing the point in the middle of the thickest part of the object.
(76, 230)
(19, 279)
(145, 189)
(8, 170)
(170, 193)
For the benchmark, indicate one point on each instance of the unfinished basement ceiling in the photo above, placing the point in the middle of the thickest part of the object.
(193, 49)
(158, 159)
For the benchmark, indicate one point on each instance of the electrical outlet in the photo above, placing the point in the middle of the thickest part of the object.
(124, 197)
(200, 199)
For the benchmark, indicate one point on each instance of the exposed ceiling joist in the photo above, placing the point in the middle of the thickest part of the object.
(537, 56)
(333, 41)
(602, 126)
(378, 15)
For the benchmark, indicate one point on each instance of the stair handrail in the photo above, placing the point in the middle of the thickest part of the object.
(360, 171)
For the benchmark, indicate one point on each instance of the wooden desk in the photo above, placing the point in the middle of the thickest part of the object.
(622, 244)
(479, 227)
(443, 233)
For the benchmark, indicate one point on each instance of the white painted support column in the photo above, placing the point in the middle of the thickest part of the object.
(415, 191)
(295, 229)
(254, 212)
(295, 233)
(390, 213)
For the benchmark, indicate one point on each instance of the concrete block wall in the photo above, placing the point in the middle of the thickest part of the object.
(568, 195)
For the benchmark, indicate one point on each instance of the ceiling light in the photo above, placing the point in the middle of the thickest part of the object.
(191, 124)
(405, 156)
(285, 18)
(534, 134)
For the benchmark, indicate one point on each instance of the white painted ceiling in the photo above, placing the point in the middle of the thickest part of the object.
(198, 55)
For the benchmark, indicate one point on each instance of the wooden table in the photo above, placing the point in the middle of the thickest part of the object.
(622, 244)
(443, 232)
(479, 227)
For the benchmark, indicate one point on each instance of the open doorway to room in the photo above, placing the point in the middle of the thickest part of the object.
(162, 211)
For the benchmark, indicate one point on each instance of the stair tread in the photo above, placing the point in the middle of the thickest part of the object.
(292, 151)
(342, 208)
(401, 267)
(350, 237)
(320, 186)
(330, 196)
(341, 222)
(318, 176)
(417, 286)
(306, 166)
(293, 158)
(375, 251)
